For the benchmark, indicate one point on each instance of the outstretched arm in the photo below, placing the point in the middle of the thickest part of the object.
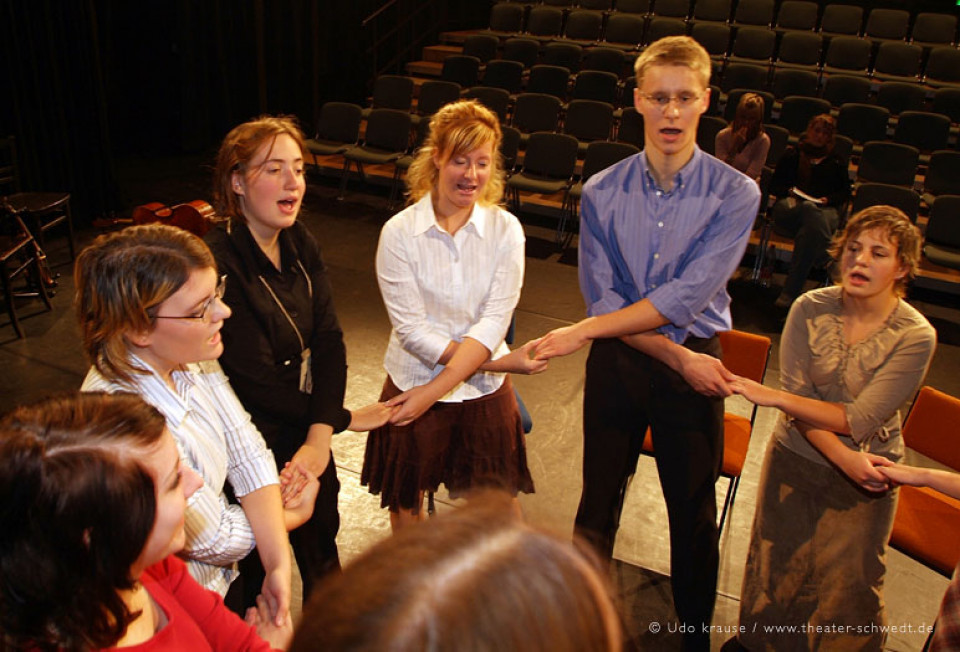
(946, 482)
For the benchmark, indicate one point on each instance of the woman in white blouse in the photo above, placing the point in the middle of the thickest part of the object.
(450, 268)
(150, 308)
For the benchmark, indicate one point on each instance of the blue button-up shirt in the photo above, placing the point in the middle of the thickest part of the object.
(676, 248)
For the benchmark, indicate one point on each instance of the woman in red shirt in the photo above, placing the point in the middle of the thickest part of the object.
(92, 504)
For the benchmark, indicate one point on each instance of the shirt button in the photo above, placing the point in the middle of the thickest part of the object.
(660, 224)
(653, 286)
(659, 194)
(656, 256)
(294, 313)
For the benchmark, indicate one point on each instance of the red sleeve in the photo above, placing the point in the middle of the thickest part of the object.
(224, 630)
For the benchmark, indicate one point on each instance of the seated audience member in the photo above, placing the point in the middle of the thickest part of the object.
(150, 308)
(946, 634)
(92, 502)
(744, 144)
(850, 356)
(478, 578)
(812, 185)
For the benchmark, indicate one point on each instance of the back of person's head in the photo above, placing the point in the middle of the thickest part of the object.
(121, 279)
(749, 115)
(456, 129)
(674, 51)
(76, 509)
(477, 579)
(894, 225)
(237, 151)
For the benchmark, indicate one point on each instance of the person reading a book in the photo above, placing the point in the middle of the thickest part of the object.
(812, 186)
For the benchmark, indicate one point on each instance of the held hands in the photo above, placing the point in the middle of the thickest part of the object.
(560, 341)
(278, 637)
(276, 596)
(298, 509)
(706, 374)
(411, 404)
(754, 391)
(522, 360)
(370, 417)
(899, 474)
(307, 464)
(865, 469)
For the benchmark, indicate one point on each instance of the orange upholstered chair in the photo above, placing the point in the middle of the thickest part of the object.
(927, 525)
(745, 354)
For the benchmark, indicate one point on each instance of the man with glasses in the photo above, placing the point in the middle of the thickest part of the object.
(661, 232)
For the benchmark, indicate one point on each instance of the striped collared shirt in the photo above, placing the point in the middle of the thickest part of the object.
(217, 440)
(439, 287)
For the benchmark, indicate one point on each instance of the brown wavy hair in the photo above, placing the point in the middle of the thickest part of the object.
(238, 149)
(78, 509)
(121, 278)
(457, 128)
(894, 224)
(477, 578)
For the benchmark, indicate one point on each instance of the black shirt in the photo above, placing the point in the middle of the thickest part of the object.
(261, 349)
(828, 178)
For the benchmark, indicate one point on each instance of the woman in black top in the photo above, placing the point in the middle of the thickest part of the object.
(813, 168)
(283, 348)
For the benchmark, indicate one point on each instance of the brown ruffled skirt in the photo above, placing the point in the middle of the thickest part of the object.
(476, 443)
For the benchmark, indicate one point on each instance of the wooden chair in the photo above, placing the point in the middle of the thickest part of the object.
(927, 524)
(745, 354)
(19, 257)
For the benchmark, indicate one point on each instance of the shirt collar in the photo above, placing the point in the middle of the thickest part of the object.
(686, 172)
(244, 238)
(425, 218)
(175, 403)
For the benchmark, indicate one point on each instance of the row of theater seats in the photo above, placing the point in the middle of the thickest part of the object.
(554, 138)
(899, 111)
(554, 18)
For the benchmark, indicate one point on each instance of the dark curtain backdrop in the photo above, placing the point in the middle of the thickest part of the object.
(89, 83)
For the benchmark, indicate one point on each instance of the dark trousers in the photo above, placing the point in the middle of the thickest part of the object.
(625, 392)
(811, 227)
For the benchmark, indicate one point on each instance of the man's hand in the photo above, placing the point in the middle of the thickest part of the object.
(560, 341)
(706, 374)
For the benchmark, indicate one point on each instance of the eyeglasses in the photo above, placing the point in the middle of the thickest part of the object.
(683, 101)
(204, 312)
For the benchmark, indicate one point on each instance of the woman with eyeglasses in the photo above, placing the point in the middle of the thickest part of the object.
(150, 312)
(283, 346)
